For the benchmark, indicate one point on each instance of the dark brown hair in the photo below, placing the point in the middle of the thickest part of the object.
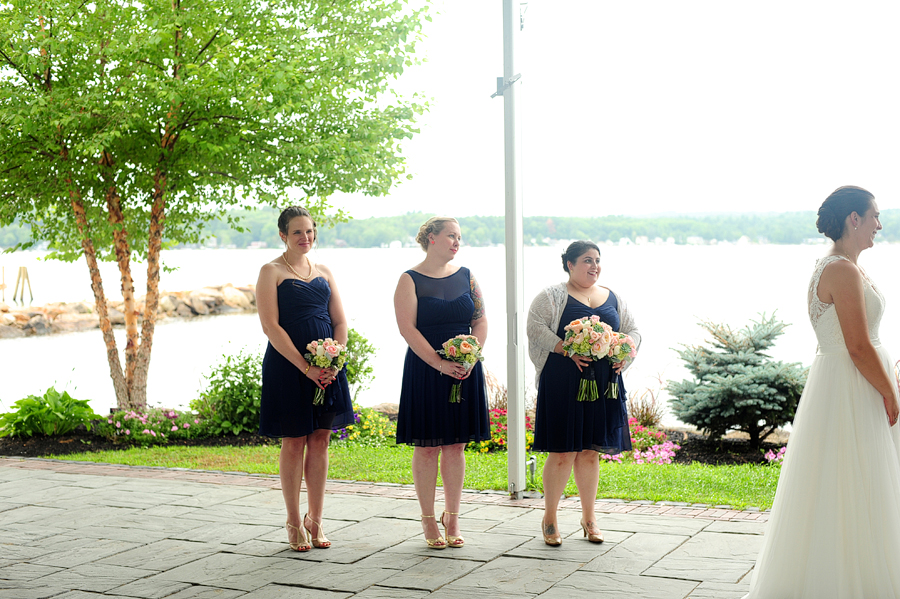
(576, 249)
(838, 206)
(292, 212)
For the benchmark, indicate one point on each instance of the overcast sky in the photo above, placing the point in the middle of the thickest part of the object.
(656, 106)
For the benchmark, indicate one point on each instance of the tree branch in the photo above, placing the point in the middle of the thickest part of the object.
(16, 68)
(147, 62)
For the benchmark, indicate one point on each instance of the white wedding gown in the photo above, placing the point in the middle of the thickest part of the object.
(835, 525)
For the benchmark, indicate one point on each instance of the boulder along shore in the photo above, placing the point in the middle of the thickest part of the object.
(62, 317)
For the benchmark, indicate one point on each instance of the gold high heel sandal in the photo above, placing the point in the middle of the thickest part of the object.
(319, 541)
(598, 538)
(303, 545)
(437, 543)
(553, 541)
(451, 540)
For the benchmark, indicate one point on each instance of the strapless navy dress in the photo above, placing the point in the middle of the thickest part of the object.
(564, 424)
(426, 417)
(286, 407)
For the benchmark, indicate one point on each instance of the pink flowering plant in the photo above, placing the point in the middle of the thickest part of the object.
(591, 338)
(465, 350)
(500, 435)
(649, 446)
(622, 348)
(325, 353)
(156, 426)
(775, 458)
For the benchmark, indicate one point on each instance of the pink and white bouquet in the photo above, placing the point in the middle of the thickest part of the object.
(622, 348)
(591, 338)
(325, 353)
(465, 350)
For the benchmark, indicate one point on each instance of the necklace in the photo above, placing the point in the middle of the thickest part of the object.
(291, 268)
(572, 287)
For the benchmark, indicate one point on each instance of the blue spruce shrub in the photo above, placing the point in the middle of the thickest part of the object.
(736, 385)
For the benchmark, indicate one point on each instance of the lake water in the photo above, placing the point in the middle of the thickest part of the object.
(669, 287)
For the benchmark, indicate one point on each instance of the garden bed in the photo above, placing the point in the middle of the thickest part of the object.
(39, 446)
(694, 447)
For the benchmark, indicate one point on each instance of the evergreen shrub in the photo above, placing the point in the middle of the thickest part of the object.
(737, 386)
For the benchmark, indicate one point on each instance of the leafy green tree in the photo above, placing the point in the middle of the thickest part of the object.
(737, 386)
(126, 127)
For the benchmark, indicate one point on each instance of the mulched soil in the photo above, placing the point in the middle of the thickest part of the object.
(694, 447)
(721, 452)
(79, 441)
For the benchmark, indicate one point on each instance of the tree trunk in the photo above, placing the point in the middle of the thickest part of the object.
(754, 435)
(154, 243)
(112, 353)
(151, 304)
(123, 258)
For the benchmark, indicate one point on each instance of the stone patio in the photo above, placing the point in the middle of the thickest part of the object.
(80, 530)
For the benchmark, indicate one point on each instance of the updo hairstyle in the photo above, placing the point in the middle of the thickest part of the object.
(838, 206)
(432, 225)
(292, 212)
(576, 249)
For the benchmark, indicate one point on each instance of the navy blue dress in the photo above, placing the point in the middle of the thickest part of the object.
(426, 417)
(286, 407)
(564, 424)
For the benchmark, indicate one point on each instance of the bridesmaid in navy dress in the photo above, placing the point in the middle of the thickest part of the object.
(298, 302)
(434, 302)
(575, 432)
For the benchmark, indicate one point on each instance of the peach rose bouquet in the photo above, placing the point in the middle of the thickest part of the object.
(591, 338)
(465, 350)
(325, 353)
(621, 349)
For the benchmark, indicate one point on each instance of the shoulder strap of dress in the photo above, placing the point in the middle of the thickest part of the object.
(820, 268)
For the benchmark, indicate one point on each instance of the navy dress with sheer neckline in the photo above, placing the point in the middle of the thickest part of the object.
(564, 424)
(286, 407)
(426, 417)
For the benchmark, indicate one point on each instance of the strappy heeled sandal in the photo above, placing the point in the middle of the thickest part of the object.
(451, 540)
(303, 544)
(553, 541)
(319, 541)
(439, 542)
(598, 538)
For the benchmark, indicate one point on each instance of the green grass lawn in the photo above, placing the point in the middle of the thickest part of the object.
(738, 486)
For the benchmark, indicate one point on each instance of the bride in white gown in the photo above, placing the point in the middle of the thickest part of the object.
(835, 525)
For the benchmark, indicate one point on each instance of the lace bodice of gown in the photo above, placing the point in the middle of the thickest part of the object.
(824, 317)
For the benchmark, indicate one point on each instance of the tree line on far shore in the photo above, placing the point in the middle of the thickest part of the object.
(259, 227)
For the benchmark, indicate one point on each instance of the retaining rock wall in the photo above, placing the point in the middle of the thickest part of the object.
(16, 321)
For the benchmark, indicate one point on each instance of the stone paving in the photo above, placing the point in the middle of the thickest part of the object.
(78, 530)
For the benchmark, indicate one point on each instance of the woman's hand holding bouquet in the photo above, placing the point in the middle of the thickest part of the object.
(591, 338)
(325, 353)
(465, 350)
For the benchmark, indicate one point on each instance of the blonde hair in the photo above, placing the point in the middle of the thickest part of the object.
(432, 225)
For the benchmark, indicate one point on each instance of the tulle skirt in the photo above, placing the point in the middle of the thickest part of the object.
(835, 525)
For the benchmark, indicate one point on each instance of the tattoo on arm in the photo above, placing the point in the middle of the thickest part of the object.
(477, 298)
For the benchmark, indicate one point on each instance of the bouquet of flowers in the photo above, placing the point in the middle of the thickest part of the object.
(325, 353)
(591, 338)
(465, 350)
(622, 348)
